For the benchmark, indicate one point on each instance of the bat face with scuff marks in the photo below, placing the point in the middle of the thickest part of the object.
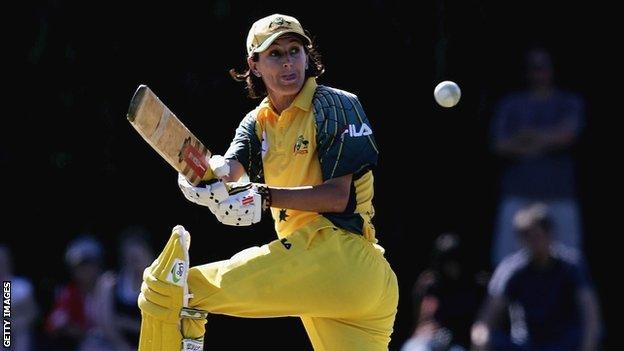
(162, 129)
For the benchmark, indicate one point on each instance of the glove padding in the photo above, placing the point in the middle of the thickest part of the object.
(244, 205)
(209, 195)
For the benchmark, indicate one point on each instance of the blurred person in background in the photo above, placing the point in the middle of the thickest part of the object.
(533, 131)
(24, 308)
(74, 310)
(119, 322)
(446, 298)
(546, 290)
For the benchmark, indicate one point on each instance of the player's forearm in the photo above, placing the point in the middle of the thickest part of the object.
(236, 171)
(530, 142)
(326, 197)
(556, 140)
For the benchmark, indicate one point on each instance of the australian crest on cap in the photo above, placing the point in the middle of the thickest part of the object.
(279, 22)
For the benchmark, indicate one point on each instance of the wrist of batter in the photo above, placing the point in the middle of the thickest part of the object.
(265, 193)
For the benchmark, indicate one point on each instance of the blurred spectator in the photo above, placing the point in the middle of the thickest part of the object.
(534, 131)
(119, 321)
(546, 290)
(446, 298)
(74, 309)
(23, 305)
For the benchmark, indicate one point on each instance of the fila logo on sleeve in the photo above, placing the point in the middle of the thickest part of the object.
(352, 131)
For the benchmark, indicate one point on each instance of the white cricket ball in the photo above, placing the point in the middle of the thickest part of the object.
(447, 93)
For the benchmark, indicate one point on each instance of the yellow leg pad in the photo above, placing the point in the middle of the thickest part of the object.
(157, 335)
(163, 295)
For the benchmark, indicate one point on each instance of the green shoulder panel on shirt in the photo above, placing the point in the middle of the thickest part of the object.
(246, 148)
(345, 141)
(345, 145)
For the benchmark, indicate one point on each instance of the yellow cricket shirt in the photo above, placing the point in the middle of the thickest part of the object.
(323, 134)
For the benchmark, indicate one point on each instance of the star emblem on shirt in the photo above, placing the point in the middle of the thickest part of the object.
(283, 215)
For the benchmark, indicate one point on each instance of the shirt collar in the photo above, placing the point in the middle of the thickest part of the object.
(303, 100)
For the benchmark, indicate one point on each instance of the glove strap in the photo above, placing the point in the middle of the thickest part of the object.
(192, 313)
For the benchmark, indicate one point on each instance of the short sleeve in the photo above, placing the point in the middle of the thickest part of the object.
(501, 284)
(246, 147)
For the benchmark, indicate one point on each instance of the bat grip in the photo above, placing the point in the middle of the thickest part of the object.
(209, 175)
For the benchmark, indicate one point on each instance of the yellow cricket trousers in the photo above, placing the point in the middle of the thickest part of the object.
(337, 282)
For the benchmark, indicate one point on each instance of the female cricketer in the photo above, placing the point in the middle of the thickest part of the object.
(309, 153)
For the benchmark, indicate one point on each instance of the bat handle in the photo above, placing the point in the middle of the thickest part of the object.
(208, 176)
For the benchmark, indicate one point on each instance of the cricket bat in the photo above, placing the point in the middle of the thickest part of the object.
(169, 136)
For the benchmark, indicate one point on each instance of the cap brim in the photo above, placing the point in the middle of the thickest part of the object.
(265, 45)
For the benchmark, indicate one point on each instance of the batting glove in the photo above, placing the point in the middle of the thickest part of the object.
(209, 195)
(244, 205)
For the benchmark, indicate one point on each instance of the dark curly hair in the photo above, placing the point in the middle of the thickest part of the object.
(255, 86)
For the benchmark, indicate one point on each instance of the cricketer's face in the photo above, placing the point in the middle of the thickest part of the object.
(282, 66)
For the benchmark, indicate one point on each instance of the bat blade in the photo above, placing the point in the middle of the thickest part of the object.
(160, 127)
